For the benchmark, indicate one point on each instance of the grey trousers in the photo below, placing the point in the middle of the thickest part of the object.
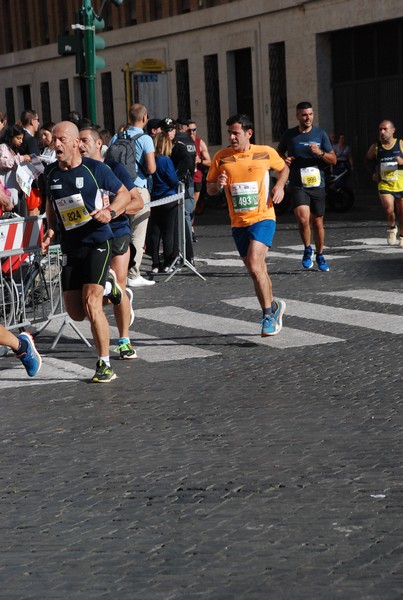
(138, 226)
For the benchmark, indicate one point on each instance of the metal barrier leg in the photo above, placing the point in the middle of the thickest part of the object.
(68, 321)
(181, 260)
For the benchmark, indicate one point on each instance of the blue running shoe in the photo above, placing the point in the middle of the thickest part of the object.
(307, 258)
(322, 265)
(278, 315)
(31, 359)
(269, 325)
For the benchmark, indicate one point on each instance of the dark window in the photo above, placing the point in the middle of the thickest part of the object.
(182, 88)
(64, 97)
(155, 10)
(364, 53)
(26, 96)
(10, 110)
(212, 91)
(45, 102)
(183, 6)
(342, 56)
(278, 90)
(107, 101)
(389, 49)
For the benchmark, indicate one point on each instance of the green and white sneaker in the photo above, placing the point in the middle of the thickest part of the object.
(130, 294)
(104, 373)
(115, 295)
(126, 351)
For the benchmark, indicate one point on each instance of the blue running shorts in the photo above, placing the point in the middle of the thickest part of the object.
(262, 231)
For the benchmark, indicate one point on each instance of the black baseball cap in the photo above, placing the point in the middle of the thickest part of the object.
(182, 121)
(153, 124)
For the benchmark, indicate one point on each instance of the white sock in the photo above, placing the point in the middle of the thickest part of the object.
(106, 360)
(107, 288)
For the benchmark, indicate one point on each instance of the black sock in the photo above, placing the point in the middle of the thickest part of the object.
(23, 346)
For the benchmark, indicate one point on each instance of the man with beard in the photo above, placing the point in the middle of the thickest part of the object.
(242, 169)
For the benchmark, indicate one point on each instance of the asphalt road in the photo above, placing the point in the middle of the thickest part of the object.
(219, 465)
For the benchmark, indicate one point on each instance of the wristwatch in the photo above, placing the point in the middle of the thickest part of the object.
(113, 212)
(323, 154)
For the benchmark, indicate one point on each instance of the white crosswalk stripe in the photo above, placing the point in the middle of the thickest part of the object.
(247, 331)
(332, 314)
(150, 348)
(53, 370)
(378, 296)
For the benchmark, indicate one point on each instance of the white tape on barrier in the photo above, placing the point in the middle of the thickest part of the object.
(166, 200)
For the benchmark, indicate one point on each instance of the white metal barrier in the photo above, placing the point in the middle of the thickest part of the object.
(180, 260)
(30, 282)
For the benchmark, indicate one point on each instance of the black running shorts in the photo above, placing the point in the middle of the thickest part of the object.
(88, 264)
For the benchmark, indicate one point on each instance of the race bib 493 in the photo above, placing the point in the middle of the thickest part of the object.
(245, 196)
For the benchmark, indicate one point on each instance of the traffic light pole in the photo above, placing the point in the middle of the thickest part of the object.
(89, 49)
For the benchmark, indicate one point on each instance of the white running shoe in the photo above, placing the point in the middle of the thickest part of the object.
(139, 282)
(392, 236)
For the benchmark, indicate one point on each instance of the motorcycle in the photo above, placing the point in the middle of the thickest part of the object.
(339, 195)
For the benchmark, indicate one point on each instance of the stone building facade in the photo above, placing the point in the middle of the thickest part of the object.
(207, 59)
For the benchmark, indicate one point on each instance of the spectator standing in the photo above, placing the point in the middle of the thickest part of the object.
(30, 124)
(203, 162)
(153, 127)
(387, 155)
(184, 159)
(3, 121)
(343, 155)
(12, 140)
(48, 154)
(308, 152)
(145, 159)
(163, 221)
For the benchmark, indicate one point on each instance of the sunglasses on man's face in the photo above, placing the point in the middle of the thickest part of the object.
(192, 129)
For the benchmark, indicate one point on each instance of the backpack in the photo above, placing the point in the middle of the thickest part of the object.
(123, 150)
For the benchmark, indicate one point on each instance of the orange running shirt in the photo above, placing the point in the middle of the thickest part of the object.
(247, 190)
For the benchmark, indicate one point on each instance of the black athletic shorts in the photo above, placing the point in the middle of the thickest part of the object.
(87, 264)
(120, 245)
(315, 198)
(198, 186)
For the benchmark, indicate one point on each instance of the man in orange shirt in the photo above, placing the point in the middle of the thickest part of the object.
(242, 169)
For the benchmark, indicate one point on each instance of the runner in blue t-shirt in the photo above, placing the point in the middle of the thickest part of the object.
(122, 249)
(78, 191)
(307, 151)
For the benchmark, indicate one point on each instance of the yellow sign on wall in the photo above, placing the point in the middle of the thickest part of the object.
(150, 65)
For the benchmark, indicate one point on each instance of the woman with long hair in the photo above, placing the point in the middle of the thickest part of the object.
(163, 218)
(11, 140)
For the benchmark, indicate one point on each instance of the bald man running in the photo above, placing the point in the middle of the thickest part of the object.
(81, 195)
